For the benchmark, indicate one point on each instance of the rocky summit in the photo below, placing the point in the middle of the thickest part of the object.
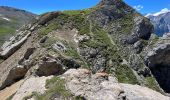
(107, 52)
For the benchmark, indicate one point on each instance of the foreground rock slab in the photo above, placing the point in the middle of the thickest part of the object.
(34, 84)
(101, 86)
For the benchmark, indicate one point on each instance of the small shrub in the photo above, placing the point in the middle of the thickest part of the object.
(151, 83)
(55, 85)
(125, 75)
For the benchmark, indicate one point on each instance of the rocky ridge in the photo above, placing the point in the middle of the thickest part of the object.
(160, 21)
(11, 20)
(100, 49)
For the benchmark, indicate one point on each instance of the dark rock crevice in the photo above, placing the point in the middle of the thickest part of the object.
(162, 74)
(158, 60)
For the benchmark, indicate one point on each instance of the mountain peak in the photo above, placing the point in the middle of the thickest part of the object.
(163, 11)
(110, 2)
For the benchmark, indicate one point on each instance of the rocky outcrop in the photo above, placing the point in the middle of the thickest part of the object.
(13, 76)
(94, 57)
(50, 65)
(82, 83)
(158, 61)
(19, 70)
(47, 17)
(101, 86)
(13, 45)
(142, 29)
(136, 92)
(108, 11)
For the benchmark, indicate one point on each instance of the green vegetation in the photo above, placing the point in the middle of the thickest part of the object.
(7, 29)
(151, 83)
(55, 86)
(4, 33)
(145, 42)
(126, 24)
(45, 30)
(72, 53)
(125, 75)
(80, 12)
(154, 40)
(100, 38)
(1, 60)
(49, 42)
(10, 98)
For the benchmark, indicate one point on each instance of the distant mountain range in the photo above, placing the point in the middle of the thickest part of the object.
(161, 21)
(11, 19)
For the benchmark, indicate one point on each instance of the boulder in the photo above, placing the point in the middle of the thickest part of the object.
(26, 60)
(142, 29)
(14, 75)
(83, 38)
(58, 46)
(49, 66)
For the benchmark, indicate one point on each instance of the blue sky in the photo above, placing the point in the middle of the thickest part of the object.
(41, 6)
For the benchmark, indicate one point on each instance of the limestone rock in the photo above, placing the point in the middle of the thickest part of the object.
(49, 66)
(101, 86)
(135, 92)
(9, 48)
(58, 46)
(83, 38)
(142, 29)
(30, 85)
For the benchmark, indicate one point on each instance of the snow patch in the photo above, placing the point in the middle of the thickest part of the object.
(6, 19)
(163, 11)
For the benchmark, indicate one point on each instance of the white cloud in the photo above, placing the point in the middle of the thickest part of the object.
(138, 7)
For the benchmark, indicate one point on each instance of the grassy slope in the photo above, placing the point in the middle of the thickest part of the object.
(99, 39)
(7, 29)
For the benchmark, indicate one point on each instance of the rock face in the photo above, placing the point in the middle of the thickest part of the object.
(142, 30)
(158, 61)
